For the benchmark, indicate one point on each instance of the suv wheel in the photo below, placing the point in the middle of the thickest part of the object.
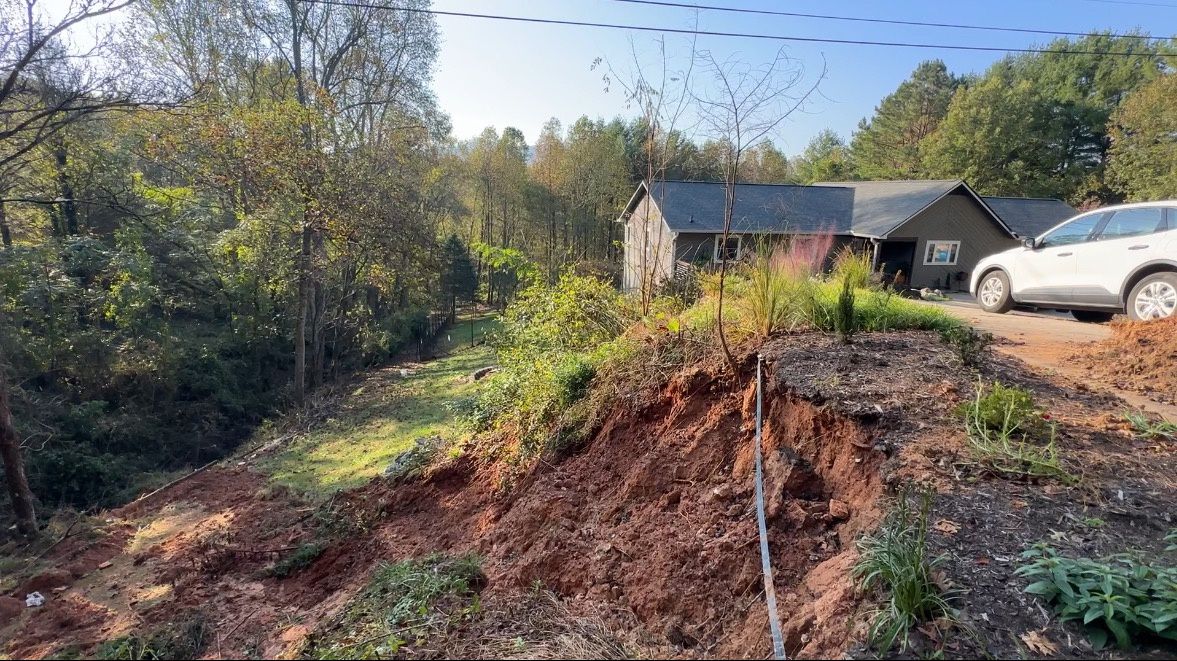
(993, 294)
(1154, 297)
(1092, 317)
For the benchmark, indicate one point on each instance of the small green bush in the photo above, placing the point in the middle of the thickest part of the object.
(1002, 408)
(895, 560)
(298, 560)
(552, 342)
(970, 345)
(846, 317)
(185, 639)
(1120, 595)
(397, 607)
(855, 266)
(997, 433)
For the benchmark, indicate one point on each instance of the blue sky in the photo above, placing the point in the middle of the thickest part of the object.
(515, 74)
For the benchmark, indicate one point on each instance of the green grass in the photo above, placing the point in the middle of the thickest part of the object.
(895, 560)
(1149, 429)
(997, 424)
(381, 418)
(457, 337)
(402, 605)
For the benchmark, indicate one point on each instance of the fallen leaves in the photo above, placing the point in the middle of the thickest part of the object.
(947, 527)
(1039, 644)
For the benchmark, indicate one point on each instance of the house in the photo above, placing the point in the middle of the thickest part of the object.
(932, 233)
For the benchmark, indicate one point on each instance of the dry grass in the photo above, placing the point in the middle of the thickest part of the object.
(540, 626)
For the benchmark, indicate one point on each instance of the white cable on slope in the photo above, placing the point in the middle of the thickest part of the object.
(774, 623)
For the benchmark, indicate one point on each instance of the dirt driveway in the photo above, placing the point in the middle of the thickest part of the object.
(1046, 340)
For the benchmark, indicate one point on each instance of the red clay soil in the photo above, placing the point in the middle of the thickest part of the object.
(655, 515)
(649, 526)
(653, 518)
(1139, 357)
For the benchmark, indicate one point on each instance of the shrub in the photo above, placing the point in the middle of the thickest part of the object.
(855, 266)
(400, 606)
(1005, 408)
(969, 344)
(185, 639)
(1119, 595)
(552, 341)
(298, 560)
(997, 435)
(845, 316)
(895, 560)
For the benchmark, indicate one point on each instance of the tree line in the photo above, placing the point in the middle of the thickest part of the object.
(223, 205)
(1084, 128)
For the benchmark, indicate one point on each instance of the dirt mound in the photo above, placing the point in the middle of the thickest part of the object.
(1139, 356)
(654, 518)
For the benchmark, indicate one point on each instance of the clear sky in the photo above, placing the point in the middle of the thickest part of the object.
(516, 74)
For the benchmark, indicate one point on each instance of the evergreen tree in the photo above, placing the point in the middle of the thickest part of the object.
(458, 280)
(887, 146)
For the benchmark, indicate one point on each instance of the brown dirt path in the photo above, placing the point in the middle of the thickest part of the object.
(1049, 341)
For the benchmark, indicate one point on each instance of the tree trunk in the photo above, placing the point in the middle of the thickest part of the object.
(729, 205)
(5, 232)
(69, 208)
(300, 328)
(14, 469)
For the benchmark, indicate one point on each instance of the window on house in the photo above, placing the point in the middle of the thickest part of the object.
(729, 250)
(941, 253)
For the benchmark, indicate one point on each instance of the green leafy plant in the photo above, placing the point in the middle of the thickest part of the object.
(970, 345)
(997, 428)
(1001, 407)
(184, 639)
(297, 560)
(1119, 595)
(845, 315)
(1150, 429)
(399, 607)
(895, 560)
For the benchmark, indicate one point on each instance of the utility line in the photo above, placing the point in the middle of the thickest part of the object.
(1135, 2)
(888, 21)
(742, 35)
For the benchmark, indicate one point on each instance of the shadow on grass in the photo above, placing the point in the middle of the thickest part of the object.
(382, 417)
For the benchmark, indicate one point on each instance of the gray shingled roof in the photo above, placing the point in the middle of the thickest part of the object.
(691, 206)
(864, 208)
(882, 206)
(1030, 216)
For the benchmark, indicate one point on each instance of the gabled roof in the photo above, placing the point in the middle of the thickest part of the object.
(1030, 216)
(859, 208)
(882, 206)
(697, 206)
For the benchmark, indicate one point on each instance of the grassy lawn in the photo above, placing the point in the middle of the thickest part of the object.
(383, 416)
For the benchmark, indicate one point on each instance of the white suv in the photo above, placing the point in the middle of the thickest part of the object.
(1118, 259)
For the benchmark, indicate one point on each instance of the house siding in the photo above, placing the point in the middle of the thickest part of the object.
(956, 217)
(699, 249)
(649, 247)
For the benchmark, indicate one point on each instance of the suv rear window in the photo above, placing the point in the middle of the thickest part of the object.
(1133, 222)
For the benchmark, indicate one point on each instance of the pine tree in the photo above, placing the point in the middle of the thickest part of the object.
(887, 146)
